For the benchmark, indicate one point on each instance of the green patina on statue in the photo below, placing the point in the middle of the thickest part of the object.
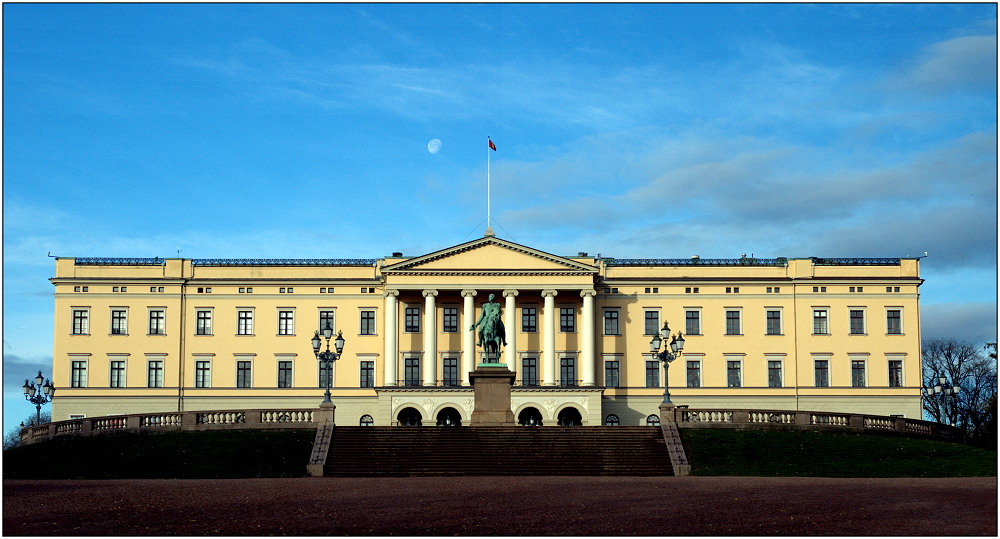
(491, 330)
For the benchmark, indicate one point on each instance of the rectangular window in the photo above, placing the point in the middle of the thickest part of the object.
(822, 367)
(119, 322)
(893, 321)
(154, 373)
(611, 372)
(733, 376)
(81, 322)
(652, 322)
(529, 319)
(324, 375)
(367, 322)
(286, 323)
(692, 322)
(117, 378)
(732, 322)
(773, 374)
(857, 322)
(450, 370)
(367, 374)
(567, 319)
(820, 325)
(412, 320)
(611, 322)
(243, 374)
(245, 323)
(284, 374)
(79, 378)
(202, 374)
(203, 324)
(567, 371)
(774, 322)
(694, 374)
(157, 325)
(450, 320)
(411, 371)
(652, 374)
(857, 373)
(529, 371)
(325, 319)
(895, 373)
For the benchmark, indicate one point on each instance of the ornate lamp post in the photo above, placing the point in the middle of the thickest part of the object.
(326, 358)
(945, 393)
(36, 397)
(669, 353)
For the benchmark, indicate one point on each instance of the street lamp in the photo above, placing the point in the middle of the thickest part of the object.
(945, 393)
(326, 358)
(669, 353)
(36, 397)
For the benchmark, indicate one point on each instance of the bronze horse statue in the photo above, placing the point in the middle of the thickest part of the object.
(491, 330)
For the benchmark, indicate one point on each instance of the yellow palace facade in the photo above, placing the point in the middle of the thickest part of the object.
(155, 335)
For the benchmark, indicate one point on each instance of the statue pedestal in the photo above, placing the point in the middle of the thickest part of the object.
(492, 389)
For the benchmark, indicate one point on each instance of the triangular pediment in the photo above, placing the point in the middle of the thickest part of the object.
(489, 255)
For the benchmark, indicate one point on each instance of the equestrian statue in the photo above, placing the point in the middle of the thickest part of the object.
(491, 330)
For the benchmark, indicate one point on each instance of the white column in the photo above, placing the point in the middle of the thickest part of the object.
(509, 322)
(587, 347)
(430, 339)
(391, 350)
(468, 336)
(549, 347)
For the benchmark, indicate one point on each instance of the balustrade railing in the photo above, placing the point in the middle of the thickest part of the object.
(880, 423)
(710, 416)
(286, 416)
(220, 418)
(772, 417)
(108, 423)
(160, 420)
(837, 420)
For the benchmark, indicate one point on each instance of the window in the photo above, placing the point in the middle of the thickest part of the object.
(450, 320)
(858, 288)
(411, 371)
(652, 323)
(450, 370)
(822, 368)
(117, 374)
(245, 323)
(412, 320)
(284, 374)
(692, 322)
(773, 374)
(324, 375)
(819, 289)
(567, 319)
(243, 374)
(81, 322)
(652, 374)
(820, 325)
(611, 373)
(733, 377)
(857, 373)
(654, 289)
(733, 290)
(200, 290)
(326, 319)
(157, 324)
(893, 321)
(653, 420)
(774, 322)
(529, 319)
(367, 322)
(895, 373)
(690, 290)
(242, 291)
(529, 371)
(775, 290)
(367, 374)
(611, 322)
(154, 373)
(610, 290)
(79, 374)
(119, 322)
(203, 322)
(567, 371)
(611, 421)
(286, 322)
(857, 322)
(202, 374)
(694, 374)
(367, 421)
(732, 323)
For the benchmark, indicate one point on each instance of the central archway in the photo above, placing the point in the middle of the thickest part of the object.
(449, 417)
(530, 417)
(409, 417)
(570, 417)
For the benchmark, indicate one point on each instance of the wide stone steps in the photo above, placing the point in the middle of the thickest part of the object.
(402, 451)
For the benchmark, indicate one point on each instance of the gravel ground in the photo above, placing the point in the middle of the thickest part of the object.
(503, 506)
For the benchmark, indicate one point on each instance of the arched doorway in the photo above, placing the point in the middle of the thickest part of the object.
(570, 417)
(449, 417)
(530, 417)
(409, 417)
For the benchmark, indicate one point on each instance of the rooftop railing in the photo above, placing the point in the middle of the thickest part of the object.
(775, 262)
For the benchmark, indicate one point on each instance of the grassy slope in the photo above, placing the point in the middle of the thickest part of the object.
(824, 454)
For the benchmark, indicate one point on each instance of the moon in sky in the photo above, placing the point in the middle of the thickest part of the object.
(434, 145)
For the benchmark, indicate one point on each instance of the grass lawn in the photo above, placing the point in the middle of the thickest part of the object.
(826, 454)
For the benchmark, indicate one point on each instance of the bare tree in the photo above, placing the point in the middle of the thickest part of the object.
(12, 438)
(964, 365)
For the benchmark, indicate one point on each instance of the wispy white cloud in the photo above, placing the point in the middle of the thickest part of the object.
(964, 63)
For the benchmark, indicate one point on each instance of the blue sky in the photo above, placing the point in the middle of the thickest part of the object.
(302, 131)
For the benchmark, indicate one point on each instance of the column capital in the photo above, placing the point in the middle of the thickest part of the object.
(429, 293)
(509, 293)
(585, 293)
(393, 293)
(468, 293)
(550, 293)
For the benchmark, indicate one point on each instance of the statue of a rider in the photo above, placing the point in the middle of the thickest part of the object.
(491, 330)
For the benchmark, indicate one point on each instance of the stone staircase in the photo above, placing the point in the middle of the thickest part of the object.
(414, 451)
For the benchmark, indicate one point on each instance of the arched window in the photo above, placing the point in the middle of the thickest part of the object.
(570, 417)
(611, 420)
(367, 421)
(653, 420)
(530, 417)
(409, 417)
(449, 417)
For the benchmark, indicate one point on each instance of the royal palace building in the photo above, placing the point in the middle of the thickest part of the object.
(155, 335)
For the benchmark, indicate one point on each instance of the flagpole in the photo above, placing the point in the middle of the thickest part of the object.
(488, 214)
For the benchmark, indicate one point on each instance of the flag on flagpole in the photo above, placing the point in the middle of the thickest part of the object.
(492, 147)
